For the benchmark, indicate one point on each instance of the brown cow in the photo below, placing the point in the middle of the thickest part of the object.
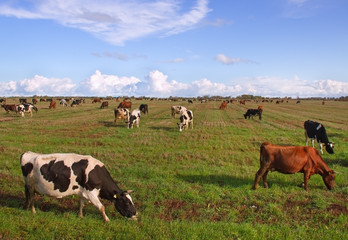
(223, 105)
(52, 104)
(10, 107)
(104, 104)
(95, 100)
(293, 159)
(125, 104)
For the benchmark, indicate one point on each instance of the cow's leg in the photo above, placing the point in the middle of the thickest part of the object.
(82, 204)
(264, 179)
(320, 147)
(305, 180)
(29, 201)
(258, 176)
(95, 201)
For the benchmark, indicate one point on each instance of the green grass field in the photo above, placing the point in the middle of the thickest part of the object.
(190, 185)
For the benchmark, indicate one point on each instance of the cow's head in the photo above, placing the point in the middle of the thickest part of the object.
(125, 206)
(329, 179)
(329, 147)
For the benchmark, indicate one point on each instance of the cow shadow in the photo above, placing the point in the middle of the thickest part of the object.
(168, 129)
(219, 180)
(108, 123)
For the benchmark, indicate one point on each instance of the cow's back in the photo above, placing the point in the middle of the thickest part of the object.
(57, 174)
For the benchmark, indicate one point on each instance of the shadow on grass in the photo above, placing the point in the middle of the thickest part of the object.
(169, 129)
(220, 180)
(112, 124)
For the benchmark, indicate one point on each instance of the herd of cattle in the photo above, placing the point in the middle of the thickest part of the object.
(63, 174)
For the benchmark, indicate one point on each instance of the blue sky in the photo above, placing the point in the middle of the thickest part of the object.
(272, 48)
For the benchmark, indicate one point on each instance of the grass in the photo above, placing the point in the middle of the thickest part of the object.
(190, 185)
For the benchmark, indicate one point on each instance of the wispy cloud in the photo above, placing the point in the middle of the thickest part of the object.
(114, 21)
(229, 60)
(158, 84)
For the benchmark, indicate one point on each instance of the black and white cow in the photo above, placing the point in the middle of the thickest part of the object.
(316, 131)
(134, 118)
(63, 174)
(26, 108)
(186, 119)
(253, 112)
(176, 110)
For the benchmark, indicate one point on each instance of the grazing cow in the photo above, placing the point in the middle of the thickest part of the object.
(2, 100)
(134, 118)
(104, 104)
(63, 102)
(186, 119)
(121, 113)
(63, 174)
(223, 105)
(34, 101)
(52, 104)
(95, 100)
(290, 160)
(125, 104)
(26, 108)
(176, 110)
(189, 101)
(76, 102)
(242, 102)
(144, 108)
(298, 102)
(23, 100)
(316, 131)
(10, 107)
(254, 112)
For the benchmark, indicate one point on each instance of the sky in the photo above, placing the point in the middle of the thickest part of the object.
(186, 48)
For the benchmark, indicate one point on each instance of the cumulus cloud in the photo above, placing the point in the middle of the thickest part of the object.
(106, 85)
(158, 84)
(228, 60)
(115, 21)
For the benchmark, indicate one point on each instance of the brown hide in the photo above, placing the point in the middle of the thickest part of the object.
(292, 159)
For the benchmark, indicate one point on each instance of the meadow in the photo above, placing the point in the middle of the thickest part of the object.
(194, 184)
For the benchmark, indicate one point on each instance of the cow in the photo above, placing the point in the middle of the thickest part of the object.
(144, 108)
(104, 104)
(316, 131)
(121, 113)
(22, 100)
(26, 108)
(176, 110)
(63, 102)
(186, 119)
(2, 100)
(190, 101)
(34, 101)
(52, 104)
(76, 102)
(63, 174)
(125, 104)
(223, 105)
(134, 118)
(254, 112)
(290, 160)
(95, 100)
(10, 107)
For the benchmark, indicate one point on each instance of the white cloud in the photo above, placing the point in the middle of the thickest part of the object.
(114, 21)
(105, 85)
(228, 60)
(156, 84)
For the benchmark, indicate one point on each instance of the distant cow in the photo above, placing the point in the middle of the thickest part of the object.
(63, 102)
(316, 131)
(121, 113)
(186, 119)
(176, 110)
(76, 102)
(23, 100)
(125, 104)
(34, 101)
(104, 104)
(95, 100)
(26, 108)
(144, 108)
(134, 118)
(254, 112)
(223, 105)
(290, 160)
(63, 174)
(2, 100)
(52, 104)
(10, 107)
